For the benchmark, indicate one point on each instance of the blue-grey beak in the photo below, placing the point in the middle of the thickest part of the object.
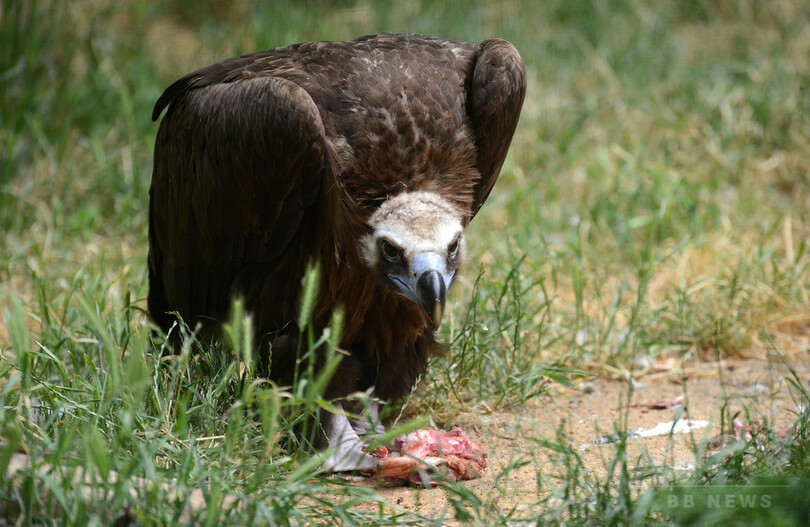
(426, 284)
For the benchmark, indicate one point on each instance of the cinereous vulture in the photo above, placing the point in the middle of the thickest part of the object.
(367, 157)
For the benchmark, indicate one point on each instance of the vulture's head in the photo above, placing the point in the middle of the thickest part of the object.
(416, 247)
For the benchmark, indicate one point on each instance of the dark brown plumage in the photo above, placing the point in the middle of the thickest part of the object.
(267, 162)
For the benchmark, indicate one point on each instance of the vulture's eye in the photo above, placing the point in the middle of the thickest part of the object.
(452, 249)
(390, 251)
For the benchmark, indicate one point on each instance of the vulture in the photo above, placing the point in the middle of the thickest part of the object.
(367, 158)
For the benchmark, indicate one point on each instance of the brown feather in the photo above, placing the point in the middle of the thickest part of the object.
(272, 160)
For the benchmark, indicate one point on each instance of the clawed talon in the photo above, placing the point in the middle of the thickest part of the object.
(351, 462)
(368, 421)
(349, 450)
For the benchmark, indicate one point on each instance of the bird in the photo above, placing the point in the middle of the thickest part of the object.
(368, 158)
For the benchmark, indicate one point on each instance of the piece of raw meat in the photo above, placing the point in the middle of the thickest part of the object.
(411, 457)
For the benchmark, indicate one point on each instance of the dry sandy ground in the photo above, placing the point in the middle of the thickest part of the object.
(591, 410)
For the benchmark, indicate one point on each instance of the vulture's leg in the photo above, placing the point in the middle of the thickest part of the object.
(369, 420)
(348, 447)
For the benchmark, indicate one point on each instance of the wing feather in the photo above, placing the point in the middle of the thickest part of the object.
(240, 188)
(497, 91)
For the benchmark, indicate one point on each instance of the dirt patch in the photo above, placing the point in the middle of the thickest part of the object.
(585, 418)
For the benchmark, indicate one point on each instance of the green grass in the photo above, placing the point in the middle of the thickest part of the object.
(655, 203)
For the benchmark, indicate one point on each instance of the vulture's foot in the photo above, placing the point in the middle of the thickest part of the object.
(347, 447)
(369, 421)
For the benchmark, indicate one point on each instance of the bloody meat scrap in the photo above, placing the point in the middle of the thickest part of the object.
(414, 456)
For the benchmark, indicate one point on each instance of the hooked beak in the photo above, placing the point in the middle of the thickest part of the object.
(430, 291)
(426, 284)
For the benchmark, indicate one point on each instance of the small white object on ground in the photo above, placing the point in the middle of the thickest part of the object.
(675, 427)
